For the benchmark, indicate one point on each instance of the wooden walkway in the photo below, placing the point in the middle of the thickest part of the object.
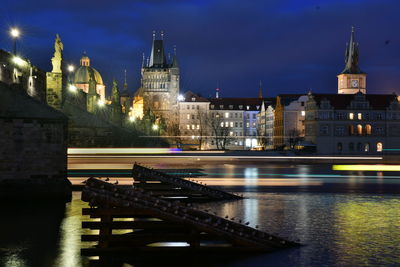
(175, 187)
(152, 223)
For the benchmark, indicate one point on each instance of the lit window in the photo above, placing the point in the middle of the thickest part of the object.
(351, 116)
(247, 124)
(188, 116)
(230, 133)
(226, 124)
(359, 129)
(231, 124)
(247, 107)
(222, 124)
(368, 129)
(198, 126)
(226, 114)
(379, 147)
(192, 126)
(303, 113)
(188, 127)
(359, 116)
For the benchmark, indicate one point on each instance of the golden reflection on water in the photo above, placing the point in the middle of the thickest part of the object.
(368, 232)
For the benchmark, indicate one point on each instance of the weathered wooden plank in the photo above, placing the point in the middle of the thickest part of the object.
(133, 225)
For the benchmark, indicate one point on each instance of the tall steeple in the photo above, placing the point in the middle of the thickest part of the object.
(157, 57)
(352, 80)
(352, 56)
(175, 59)
(260, 95)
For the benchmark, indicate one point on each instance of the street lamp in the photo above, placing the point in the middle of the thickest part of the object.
(132, 119)
(15, 33)
(72, 88)
(101, 103)
(155, 127)
(181, 98)
(71, 68)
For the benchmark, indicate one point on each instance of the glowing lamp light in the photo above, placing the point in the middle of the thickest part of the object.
(72, 88)
(14, 32)
(155, 127)
(181, 98)
(19, 61)
(101, 103)
(71, 68)
(132, 119)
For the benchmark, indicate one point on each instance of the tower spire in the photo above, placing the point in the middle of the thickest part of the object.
(260, 91)
(125, 82)
(217, 91)
(352, 56)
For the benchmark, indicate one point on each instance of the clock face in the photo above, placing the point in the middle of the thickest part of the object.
(354, 83)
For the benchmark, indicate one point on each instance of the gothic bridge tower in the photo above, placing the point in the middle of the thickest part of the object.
(160, 81)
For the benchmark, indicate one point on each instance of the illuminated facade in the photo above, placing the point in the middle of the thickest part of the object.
(352, 124)
(80, 78)
(160, 79)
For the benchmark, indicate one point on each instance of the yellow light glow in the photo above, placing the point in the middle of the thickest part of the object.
(14, 32)
(390, 168)
(19, 61)
(72, 88)
(155, 127)
(77, 151)
(132, 119)
(71, 68)
(101, 103)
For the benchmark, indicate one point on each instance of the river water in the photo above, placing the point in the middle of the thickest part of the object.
(337, 216)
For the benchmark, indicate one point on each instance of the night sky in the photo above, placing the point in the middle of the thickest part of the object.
(291, 46)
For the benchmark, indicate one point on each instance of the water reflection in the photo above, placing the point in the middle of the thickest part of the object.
(338, 229)
(368, 231)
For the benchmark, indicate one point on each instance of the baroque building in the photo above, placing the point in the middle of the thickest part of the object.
(81, 77)
(160, 79)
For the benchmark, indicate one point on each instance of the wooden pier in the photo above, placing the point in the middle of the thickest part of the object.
(169, 186)
(153, 224)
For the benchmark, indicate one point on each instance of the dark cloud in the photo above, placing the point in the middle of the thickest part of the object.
(292, 46)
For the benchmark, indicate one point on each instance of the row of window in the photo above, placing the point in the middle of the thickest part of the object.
(360, 147)
(231, 107)
(353, 116)
(352, 130)
(237, 124)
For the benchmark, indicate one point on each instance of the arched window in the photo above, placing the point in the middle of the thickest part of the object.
(339, 146)
(379, 147)
(366, 147)
(351, 130)
(351, 146)
(359, 147)
(368, 129)
(359, 129)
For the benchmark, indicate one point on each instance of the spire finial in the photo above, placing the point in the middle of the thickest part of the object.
(260, 91)
(217, 90)
(175, 50)
(125, 75)
(154, 35)
(162, 35)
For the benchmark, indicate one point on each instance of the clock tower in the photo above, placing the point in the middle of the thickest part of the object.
(352, 80)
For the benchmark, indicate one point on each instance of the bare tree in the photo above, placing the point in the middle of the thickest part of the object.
(219, 130)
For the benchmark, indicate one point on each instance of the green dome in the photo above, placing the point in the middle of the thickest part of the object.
(82, 75)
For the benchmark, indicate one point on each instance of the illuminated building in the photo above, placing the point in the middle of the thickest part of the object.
(81, 76)
(160, 78)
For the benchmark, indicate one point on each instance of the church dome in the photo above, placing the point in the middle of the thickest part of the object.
(83, 73)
